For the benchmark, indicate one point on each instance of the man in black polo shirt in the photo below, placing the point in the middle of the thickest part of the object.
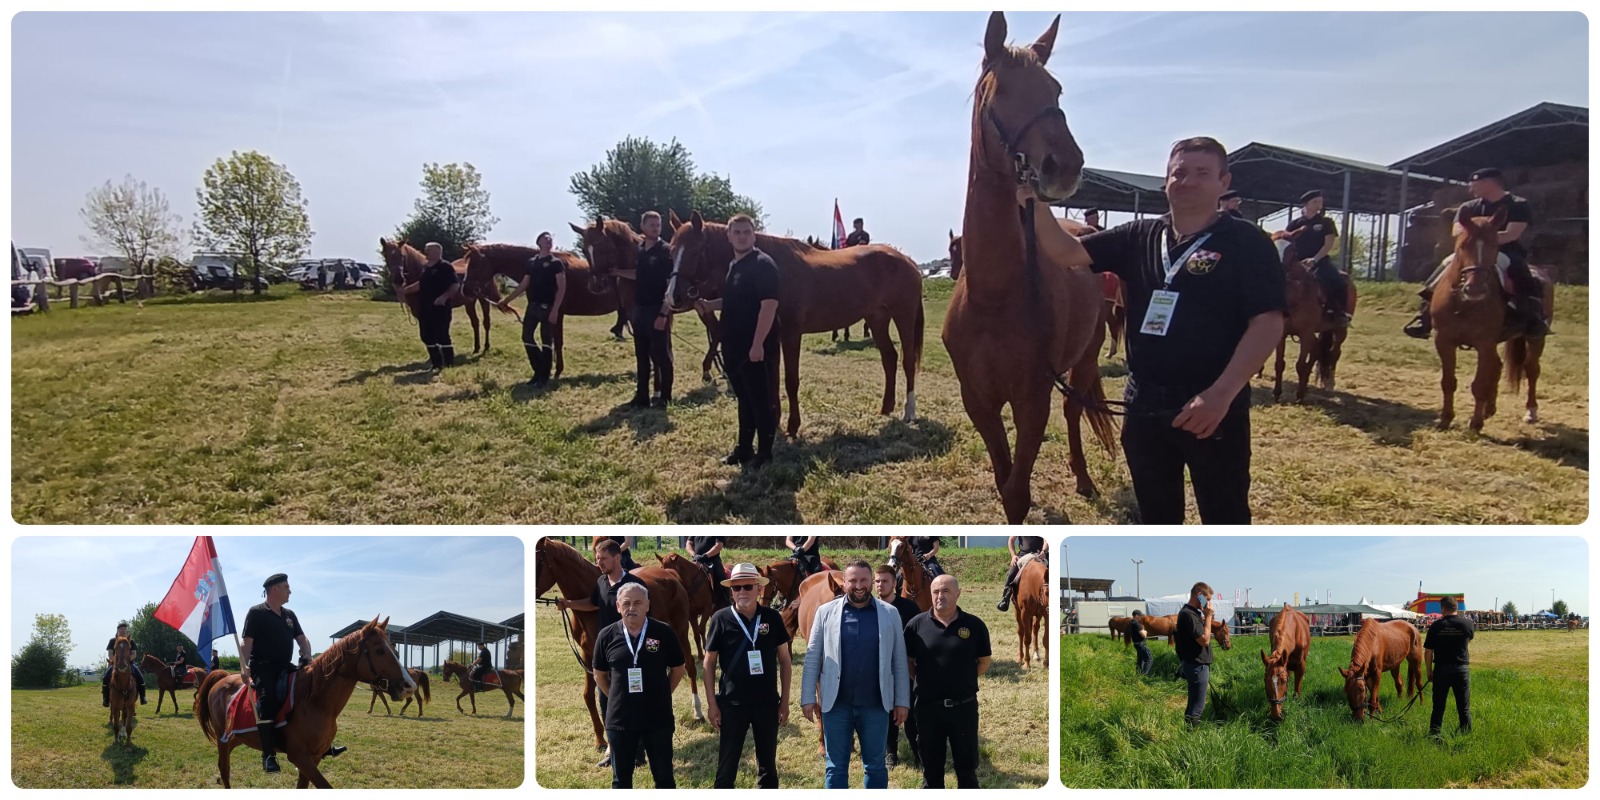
(1192, 640)
(603, 599)
(1313, 235)
(138, 675)
(1229, 204)
(859, 236)
(1205, 301)
(883, 584)
(436, 290)
(1446, 646)
(546, 285)
(1019, 546)
(750, 644)
(1135, 632)
(652, 314)
(1488, 187)
(749, 306)
(1091, 217)
(707, 552)
(216, 661)
(807, 553)
(266, 649)
(946, 650)
(637, 662)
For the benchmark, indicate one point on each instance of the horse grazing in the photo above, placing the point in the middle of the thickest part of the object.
(418, 677)
(484, 261)
(1084, 376)
(507, 680)
(1015, 326)
(1031, 608)
(557, 564)
(703, 598)
(819, 291)
(1321, 340)
(1381, 647)
(124, 692)
(319, 696)
(1167, 626)
(166, 683)
(1290, 636)
(783, 577)
(405, 264)
(915, 584)
(1469, 312)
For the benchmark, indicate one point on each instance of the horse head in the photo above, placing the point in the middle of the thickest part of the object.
(1018, 125)
(609, 245)
(373, 660)
(693, 277)
(1277, 678)
(122, 654)
(1355, 690)
(1219, 629)
(955, 255)
(543, 576)
(1477, 248)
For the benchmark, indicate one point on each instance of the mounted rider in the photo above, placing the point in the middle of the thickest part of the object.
(707, 552)
(105, 679)
(483, 666)
(807, 555)
(1021, 547)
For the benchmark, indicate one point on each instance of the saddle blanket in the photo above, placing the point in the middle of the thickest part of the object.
(242, 709)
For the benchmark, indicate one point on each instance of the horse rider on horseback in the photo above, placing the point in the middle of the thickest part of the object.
(1312, 236)
(707, 552)
(180, 666)
(1489, 195)
(1020, 547)
(105, 680)
(926, 549)
(483, 666)
(270, 634)
(807, 555)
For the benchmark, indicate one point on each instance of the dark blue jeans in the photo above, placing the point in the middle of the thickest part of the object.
(1145, 659)
(869, 724)
(1198, 677)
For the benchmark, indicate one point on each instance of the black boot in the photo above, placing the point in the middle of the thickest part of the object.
(269, 741)
(739, 455)
(142, 701)
(335, 751)
(105, 695)
(1422, 325)
(447, 356)
(1005, 599)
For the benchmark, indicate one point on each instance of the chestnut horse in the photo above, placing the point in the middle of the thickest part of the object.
(815, 591)
(166, 683)
(124, 692)
(1014, 328)
(510, 682)
(484, 261)
(557, 564)
(819, 291)
(1321, 341)
(320, 695)
(1381, 647)
(783, 578)
(418, 677)
(702, 592)
(1084, 375)
(1290, 635)
(1469, 312)
(405, 263)
(1167, 626)
(1032, 607)
(866, 330)
(1119, 630)
(915, 584)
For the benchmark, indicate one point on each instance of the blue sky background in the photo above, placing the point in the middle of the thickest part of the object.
(99, 581)
(798, 109)
(1384, 569)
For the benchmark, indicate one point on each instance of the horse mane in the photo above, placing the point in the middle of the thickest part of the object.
(1361, 651)
(330, 661)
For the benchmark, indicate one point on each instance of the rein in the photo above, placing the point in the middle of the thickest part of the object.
(1412, 702)
(566, 628)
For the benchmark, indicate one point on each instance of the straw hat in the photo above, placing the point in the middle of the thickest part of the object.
(745, 572)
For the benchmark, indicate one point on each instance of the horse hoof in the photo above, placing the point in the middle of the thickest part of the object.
(1531, 417)
(705, 376)
(1088, 491)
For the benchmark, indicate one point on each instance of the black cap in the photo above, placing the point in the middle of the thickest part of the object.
(275, 579)
(1309, 196)
(1231, 194)
(1487, 173)
(122, 624)
(1088, 211)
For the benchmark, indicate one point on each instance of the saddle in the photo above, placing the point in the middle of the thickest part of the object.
(490, 678)
(1023, 562)
(241, 717)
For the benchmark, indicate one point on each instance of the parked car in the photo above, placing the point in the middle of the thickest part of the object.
(70, 269)
(37, 260)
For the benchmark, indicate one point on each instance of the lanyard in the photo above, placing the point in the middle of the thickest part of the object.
(632, 647)
(1170, 266)
(753, 630)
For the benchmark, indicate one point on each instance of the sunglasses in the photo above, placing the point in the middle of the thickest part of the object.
(742, 586)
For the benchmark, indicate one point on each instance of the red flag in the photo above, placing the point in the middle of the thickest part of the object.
(838, 226)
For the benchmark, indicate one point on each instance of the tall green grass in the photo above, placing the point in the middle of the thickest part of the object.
(1119, 730)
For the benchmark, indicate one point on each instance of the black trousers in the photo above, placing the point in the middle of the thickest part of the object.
(1522, 277)
(271, 684)
(912, 736)
(1333, 286)
(1011, 574)
(957, 725)
(538, 338)
(651, 348)
(1447, 681)
(736, 720)
(752, 383)
(1144, 657)
(434, 325)
(1219, 468)
(657, 744)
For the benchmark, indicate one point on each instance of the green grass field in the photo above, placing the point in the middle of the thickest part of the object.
(1013, 720)
(1530, 709)
(60, 740)
(311, 408)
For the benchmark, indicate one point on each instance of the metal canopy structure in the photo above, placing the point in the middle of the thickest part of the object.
(1279, 175)
(1546, 134)
(1110, 190)
(444, 627)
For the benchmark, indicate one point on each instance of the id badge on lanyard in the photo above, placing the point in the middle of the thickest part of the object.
(1164, 301)
(754, 656)
(635, 674)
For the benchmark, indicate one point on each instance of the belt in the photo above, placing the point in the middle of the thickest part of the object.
(953, 703)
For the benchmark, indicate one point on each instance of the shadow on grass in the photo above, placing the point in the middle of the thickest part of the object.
(768, 496)
(405, 370)
(214, 297)
(122, 763)
(646, 423)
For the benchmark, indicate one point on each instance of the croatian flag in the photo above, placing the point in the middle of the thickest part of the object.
(838, 226)
(197, 604)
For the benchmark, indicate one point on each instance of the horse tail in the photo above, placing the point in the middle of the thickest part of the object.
(1516, 363)
(916, 337)
(1093, 402)
(202, 706)
(427, 694)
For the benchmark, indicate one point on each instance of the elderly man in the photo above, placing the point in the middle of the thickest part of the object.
(604, 598)
(946, 650)
(750, 644)
(638, 664)
(855, 677)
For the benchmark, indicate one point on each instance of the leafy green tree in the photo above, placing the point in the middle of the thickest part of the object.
(162, 640)
(1559, 608)
(131, 219)
(42, 663)
(251, 205)
(453, 210)
(1509, 609)
(638, 175)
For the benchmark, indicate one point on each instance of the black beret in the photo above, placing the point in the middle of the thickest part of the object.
(1311, 195)
(1485, 174)
(1229, 195)
(1088, 211)
(278, 578)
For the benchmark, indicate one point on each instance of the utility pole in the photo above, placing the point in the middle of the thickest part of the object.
(1138, 588)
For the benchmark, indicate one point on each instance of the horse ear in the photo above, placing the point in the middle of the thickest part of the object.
(576, 229)
(1344, 672)
(672, 218)
(1264, 660)
(697, 221)
(1047, 41)
(384, 625)
(994, 39)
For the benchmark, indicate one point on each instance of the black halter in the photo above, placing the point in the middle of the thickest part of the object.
(1018, 158)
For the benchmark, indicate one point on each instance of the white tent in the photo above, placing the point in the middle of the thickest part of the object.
(1396, 611)
(1162, 606)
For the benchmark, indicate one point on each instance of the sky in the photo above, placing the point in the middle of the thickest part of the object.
(797, 109)
(1383, 569)
(97, 582)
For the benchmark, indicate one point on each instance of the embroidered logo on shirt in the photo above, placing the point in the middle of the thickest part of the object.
(763, 629)
(652, 645)
(965, 633)
(1201, 262)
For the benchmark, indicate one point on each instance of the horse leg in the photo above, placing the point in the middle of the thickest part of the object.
(511, 701)
(712, 331)
(483, 303)
(886, 352)
(1030, 414)
(472, 314)
(1075, 461)
(992, 427)
(589, 689)
(911, 341)
(1278, 365)
(1447, 380)
(558, 340)
(225, 764)
(458, 700)
(1531, 373)
(791, 378)
(1302, 365)
(1485, 385)
(1330, 356)
(472, 697)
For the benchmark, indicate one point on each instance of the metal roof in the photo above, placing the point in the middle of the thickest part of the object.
(398, 634)
(1279, 175)
(1087, 584)
(461, 628)
(1548, 133)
